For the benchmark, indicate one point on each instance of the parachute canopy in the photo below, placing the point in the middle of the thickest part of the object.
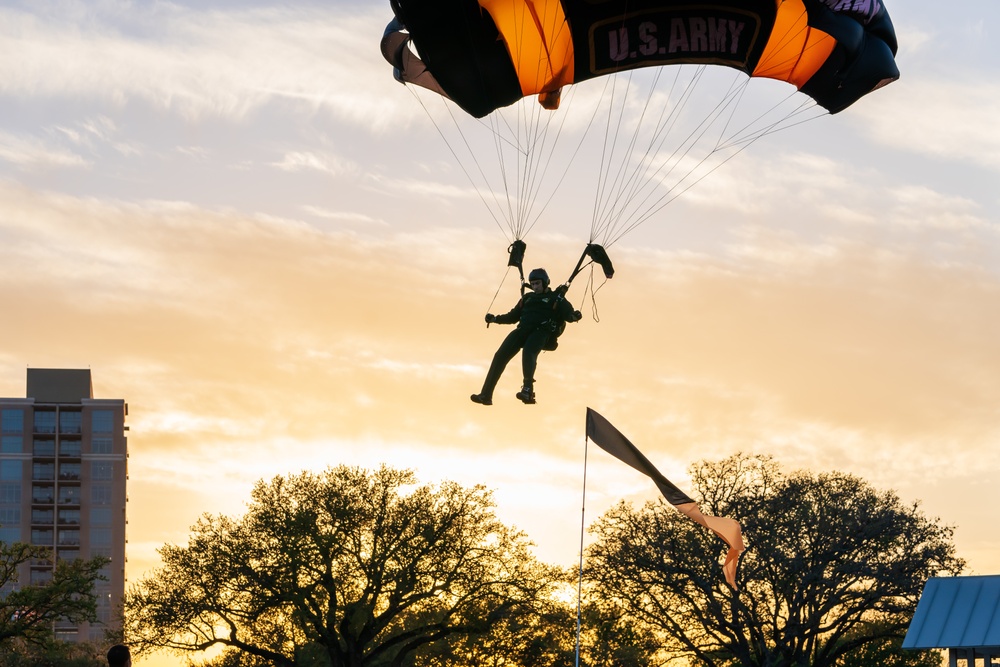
(487, 54)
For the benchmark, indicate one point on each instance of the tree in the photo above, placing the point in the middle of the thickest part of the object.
(834, 567)
(545, 635)
(27, 613)
(56, 653)
(347, 568)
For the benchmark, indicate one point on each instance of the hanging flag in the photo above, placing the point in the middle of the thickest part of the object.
(613, 442)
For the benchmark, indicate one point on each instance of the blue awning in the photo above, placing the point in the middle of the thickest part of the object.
(957, 612)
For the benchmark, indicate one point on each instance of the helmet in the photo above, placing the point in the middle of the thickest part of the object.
(539, 274)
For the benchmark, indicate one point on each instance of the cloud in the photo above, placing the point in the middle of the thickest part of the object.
(952, 120)
(248, 346)
(346, 217)
(28, 153)
(326, 163)
(197, 63)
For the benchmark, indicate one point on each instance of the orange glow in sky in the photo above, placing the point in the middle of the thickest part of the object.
(247, 230)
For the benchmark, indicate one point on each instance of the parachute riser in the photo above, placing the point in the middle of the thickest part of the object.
(516, 259)
(597, 254)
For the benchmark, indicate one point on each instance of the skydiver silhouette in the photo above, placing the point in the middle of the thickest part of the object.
(540, 315)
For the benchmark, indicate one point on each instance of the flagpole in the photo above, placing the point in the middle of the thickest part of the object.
(583, 513)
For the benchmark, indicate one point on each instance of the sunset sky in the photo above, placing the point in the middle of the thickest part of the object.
(249, 231)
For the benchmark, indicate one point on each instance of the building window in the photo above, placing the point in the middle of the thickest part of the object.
(70, 449)
(45, 421)
(10, 492)
(102, 444)
(70, 421)
(43, 494)
(43, 471)
(10, 516)
(100, 537)
(102, 470)
(42, 516)
(11, 444)
(39, 577)
(67, 554)
(69, 471)
(12, 421)
(10, 534)
(10, 471)
(69, 517)
(44, 447)
(100, 516)
(69, 537)
(41, 536)
(100, 494)
(102, 421)
(69, 495)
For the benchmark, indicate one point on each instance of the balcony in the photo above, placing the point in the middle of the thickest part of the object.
(44, 449)
(69, 538)
(42, 517)
(69, 449)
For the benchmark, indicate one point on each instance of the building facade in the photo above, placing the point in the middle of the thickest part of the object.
(63, 473)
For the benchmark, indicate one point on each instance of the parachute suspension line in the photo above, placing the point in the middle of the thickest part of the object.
(738, 147)
(523, 179)
(614, 223)
(662, 131)
(748, 134)
(498, 146)
(506, 273)
(606, 159)
(461, 164)
(565, 105)
(542, 148)
(520, 172)
(526, 123)
(609, 205)
(591, 294)
(637, 182)
(534, 134)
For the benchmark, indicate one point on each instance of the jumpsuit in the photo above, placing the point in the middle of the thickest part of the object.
(538, 316)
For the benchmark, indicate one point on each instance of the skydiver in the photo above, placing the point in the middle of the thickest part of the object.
(540, 315)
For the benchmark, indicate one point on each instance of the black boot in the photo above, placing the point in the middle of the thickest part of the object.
(526, 395)
(482, 399)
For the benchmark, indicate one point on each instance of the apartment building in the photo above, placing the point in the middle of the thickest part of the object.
(63, 473)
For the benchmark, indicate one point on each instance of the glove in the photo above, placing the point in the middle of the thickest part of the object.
(490, 318)
(577, 316)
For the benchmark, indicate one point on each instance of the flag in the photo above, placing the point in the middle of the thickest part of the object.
(610, 439)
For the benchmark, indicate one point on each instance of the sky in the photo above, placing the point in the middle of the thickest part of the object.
(278, 256)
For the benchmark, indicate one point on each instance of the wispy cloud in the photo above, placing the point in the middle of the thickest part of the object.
(947, 119)
(29, 153)
(326, 163)
(197, 63)
(345, 217)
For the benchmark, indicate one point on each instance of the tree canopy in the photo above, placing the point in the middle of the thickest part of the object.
(833, 568)
(345, 568)
(28, 612)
